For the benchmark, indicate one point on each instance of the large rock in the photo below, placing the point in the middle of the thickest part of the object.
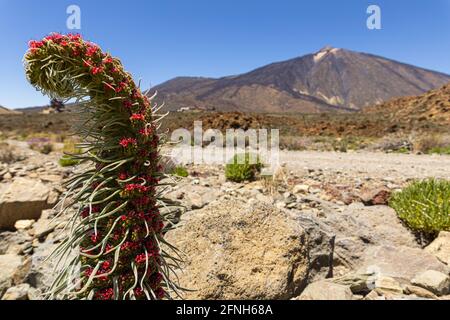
(440, 247)
(21, 200)
(401, 263)
(359, 228)
(10, 266)
(434, 281)
(326, 290)
(235, 250)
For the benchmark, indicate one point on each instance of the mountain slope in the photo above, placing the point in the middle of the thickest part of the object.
(6, 111)
(329, 80)
(433, 106)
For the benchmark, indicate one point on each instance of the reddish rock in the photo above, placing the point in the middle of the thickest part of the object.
(374, 197)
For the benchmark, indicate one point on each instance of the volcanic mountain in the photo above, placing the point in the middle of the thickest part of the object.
(332, 79)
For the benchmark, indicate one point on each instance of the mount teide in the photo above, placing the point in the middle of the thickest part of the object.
(330, 80)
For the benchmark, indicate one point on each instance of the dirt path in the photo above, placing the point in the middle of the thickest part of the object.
(375, 165)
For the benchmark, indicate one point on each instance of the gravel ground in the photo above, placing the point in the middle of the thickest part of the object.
(374, 165)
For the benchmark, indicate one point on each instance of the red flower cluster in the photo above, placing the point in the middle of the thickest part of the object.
(125, 142)
(108, 60)
(105, 294)
(136, 187)
(160, 293)
(121, 86)
(142, 258)
(95, 238)
(129, 246)
(96, 70)
(35, 44)
(123, 176)
(91, 51)
(137, 117)
(127, 104)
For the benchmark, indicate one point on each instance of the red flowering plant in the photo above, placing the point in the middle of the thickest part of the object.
(117, 234)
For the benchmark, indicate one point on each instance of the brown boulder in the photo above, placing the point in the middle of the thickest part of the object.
(235, 250)
(23, 199)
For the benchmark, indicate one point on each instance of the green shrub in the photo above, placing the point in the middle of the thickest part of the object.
(430, 144)
(46, 148)
(424, 206)
(341, 145)
(180, 171)
(68, 161)
(71, 147)
(403, 150)
(440, 150)
(241, 169)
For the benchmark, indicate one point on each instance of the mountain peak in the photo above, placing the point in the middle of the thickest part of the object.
(323, 52)
(326, 49)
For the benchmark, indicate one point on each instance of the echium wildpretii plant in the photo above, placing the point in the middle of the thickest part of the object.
(116, 244)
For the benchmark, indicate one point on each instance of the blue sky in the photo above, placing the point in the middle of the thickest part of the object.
(159, 40)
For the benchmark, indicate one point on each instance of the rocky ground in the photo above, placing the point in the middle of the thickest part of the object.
(319, 228)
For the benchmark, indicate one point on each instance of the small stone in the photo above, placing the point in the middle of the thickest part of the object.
(23, 224)
(196, 201)
(420, 292)
(373, 197)
(34, 294)
(53, 198)
(43, 228)
(300, 188)
(10, 265)
(35, 243)
(325, 290)
(387, 285)
(358, 283)
(434, 281)
(280, 205)
(7, 176)
(373, 295)
(17, 293)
